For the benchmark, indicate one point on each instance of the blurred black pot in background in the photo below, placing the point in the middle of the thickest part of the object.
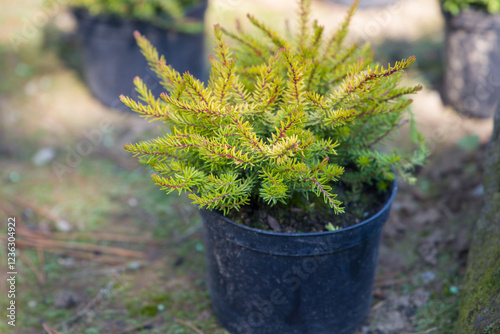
(111, 57)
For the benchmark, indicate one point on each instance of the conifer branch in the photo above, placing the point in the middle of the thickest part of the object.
(195, 88)
(273, 35)
(318, 34)
(386, 133)
(295, 84)
(152, 112)
(303, 14)
(257, 48)
(335, 204)
(341, 61)
(208, 110)
(338, 37)
(240, 91)
(245, 130)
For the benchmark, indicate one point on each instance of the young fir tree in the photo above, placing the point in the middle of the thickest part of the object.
(280, 118)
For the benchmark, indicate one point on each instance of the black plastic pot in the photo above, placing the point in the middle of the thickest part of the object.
(472, 74)
(265, 282)
(111, 57)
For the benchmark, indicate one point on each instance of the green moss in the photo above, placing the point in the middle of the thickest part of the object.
(480, 305)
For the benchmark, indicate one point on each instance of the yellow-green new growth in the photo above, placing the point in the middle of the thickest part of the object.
(275, 120)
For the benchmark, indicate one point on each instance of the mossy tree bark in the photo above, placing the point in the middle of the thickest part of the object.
(480, 304)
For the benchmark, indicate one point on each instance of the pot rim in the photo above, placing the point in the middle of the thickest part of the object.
(382, 211)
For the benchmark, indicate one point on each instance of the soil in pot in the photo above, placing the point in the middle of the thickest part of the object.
(111, 57)
(268, 282)
(472, 75)
(307, 215)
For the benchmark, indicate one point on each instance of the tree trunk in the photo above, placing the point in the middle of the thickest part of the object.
(480, 304)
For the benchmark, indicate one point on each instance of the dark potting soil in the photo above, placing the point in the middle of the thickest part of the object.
(307, 216)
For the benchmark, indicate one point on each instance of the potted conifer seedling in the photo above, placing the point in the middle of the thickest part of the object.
(111, 57)
(285, 138)
(472, 70)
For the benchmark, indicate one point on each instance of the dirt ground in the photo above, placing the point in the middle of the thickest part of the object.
(101, 250)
